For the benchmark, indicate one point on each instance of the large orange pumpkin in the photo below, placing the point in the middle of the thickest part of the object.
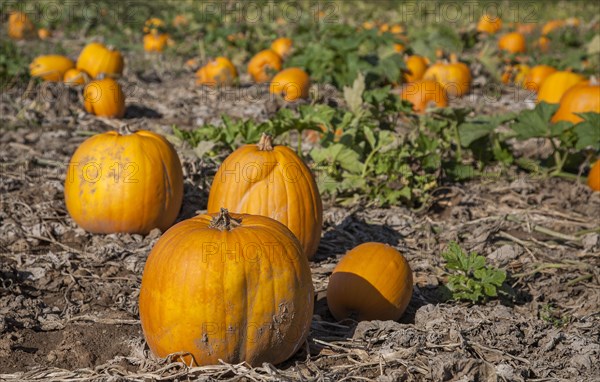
(272, 181)
(104, 98)
(415, 68)
(291, 83)
(51, 67)
(556, 85)
(263, 65)
(20, 26)
(424, 93)
(219, 71)
(489, 24)
(594, 176)
(227, 287)
(371, 282)
(512, 43)
(536, 76)
(579, 99)
(96, 59)
(455, 77)
(130, 182)
(282, 46)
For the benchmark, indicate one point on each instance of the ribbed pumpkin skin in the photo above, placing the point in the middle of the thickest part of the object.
(272, 183)
(578, 99)
(536, 76)
(51, 67)
(373, 281)
(96, 59)
(454, 77)
(104, 98)
(556, 85)
(200, 295)
(423, 93)
(144, 194)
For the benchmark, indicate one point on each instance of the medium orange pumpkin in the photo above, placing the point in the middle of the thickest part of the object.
(75, 77)
(512, 43)
(219, 71)
(556, 85)
(536, 76)
(263, 65)
(155, 42)
(416, 66)
(104, 98)
(582, 98)
(124, 182)
(51, 67)
(20, 26)
(489, 24)
(455, 77)
(227, 287)
(594, 176)
(424, 93)
(282, 46)
(96, 59)
(291, 83)
(272, 181)
(372, 281)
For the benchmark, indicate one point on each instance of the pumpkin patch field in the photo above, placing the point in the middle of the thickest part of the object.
(299, 191)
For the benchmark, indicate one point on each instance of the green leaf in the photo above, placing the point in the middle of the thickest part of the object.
(588, 131)
(535, 123)
(353, 95)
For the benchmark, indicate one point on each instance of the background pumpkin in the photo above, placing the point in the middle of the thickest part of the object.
(219, 71)
(104, 98)
(594, 176)
(155, 42)
(263, 64)
(270, 181)
(291, 83)
(579, 99)
(416, 66)
(512, 43)
(536, 76)
(20, 26)
(96, 59)
(424, 93)
(455, 77)
(75, 77)
(252, 304)
(373, 281)
(282, 46)
(130, 182)
(50, 67)
(489, 24)
(556, 85)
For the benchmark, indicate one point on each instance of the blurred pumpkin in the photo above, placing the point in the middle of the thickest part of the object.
(543, 43)
(263, 65)
(396, 29)
(75, 77)
(415, 68)
(272, 181)
(556, 85)
(227, 288)
(454, 76)
(512, 43)
(44, 33)
(282, 46)
(594, 176)
(526, 28)
(551, 26)
(373, 281)
(536, 76)
(51, 67)
(124, 182)
(96, 59)
(489, 24)
(423, 94)
(155, 42)
(219, 71)
(154, 25)
(581, 98)
(398, 47)
(368, 25)
(20, 26)
(180, 21)
(291, 83)
(104, 98)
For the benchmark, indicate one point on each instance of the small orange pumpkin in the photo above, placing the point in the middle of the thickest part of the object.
(372, 281)
(20, 26)
(543, 43)
(455, 76)
(217, 72)
(399, 48)
(74, 77)
(368, 25)
(51, 67)
(124, 182)
(556, 85)
(180, 21)
(536, 76)
(526, 28)
(155, 42)
(594, 176)
(423, 93)
(263, 65)
(104, 98)
(96, 59)
(227, 287)
(282, 46)
(489, 24)
(154, 25)
(512, 43)
(551, 26)
(44, 33)
(272, 181)
(581, 98)
(416, 66)
(291, 83)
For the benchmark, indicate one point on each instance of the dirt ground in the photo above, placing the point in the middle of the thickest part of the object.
(69, 299)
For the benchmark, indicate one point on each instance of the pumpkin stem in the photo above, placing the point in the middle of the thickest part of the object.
(125, 130)
(224, 222)
(594, 81)
(265, 143)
